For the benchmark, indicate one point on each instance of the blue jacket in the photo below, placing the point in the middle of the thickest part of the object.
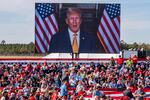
(63, 90)
(60, 43)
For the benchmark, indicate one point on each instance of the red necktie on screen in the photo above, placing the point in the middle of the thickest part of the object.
(75, 47)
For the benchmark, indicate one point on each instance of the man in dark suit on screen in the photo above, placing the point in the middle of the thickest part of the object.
(73, 40)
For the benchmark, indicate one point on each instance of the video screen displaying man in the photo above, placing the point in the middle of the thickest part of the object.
(73, 40)
(78, 28)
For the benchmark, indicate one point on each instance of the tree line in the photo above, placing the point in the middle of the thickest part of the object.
(134, 46)
(17, 49)
(29, 49)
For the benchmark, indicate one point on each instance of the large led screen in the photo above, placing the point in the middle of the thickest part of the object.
(86, 28)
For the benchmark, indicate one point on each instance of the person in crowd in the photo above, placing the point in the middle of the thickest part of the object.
(141, 53)
(55, 94)
(97, 93)
(139, 94)
(129, 63)
(128, 93)
(12, 96)
(120, 62)
(81, 93)
(134, 60)
(79, 86)
(64, 90)
(147, 62)
(112, 61)
(4, 95)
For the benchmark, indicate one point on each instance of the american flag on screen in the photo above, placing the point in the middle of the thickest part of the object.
(109, 28)
(45, 26)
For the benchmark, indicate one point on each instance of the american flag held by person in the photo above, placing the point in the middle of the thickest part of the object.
(45, 26)
(109, 28)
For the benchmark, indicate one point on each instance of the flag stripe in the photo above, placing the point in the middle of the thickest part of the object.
(43, 27)
(107, 34)
(117, 24)
(39, 44)
(114, 23)
(53, 22)
(50, 26)
(109, 29)
(105, 39)
(40, 40)
(41, 35)
(111, 25)
(49, 35)
(102, 41)
(118, 19)
(111, 35)
(42, 31)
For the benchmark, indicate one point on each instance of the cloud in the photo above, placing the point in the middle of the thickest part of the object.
(136, 24)
(135, 31)
(16, 11)
(15, 5)
(17, 33)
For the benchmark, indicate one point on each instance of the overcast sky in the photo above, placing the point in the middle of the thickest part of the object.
(17, 19)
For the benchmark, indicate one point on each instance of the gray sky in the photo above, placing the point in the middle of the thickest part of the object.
(17, 19)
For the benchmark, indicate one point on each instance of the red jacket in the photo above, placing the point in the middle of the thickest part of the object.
(120, 61)
(135, 59)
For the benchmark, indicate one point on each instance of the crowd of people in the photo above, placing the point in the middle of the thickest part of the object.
(73, 81)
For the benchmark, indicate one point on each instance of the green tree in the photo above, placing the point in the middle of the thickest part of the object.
(3, 42)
